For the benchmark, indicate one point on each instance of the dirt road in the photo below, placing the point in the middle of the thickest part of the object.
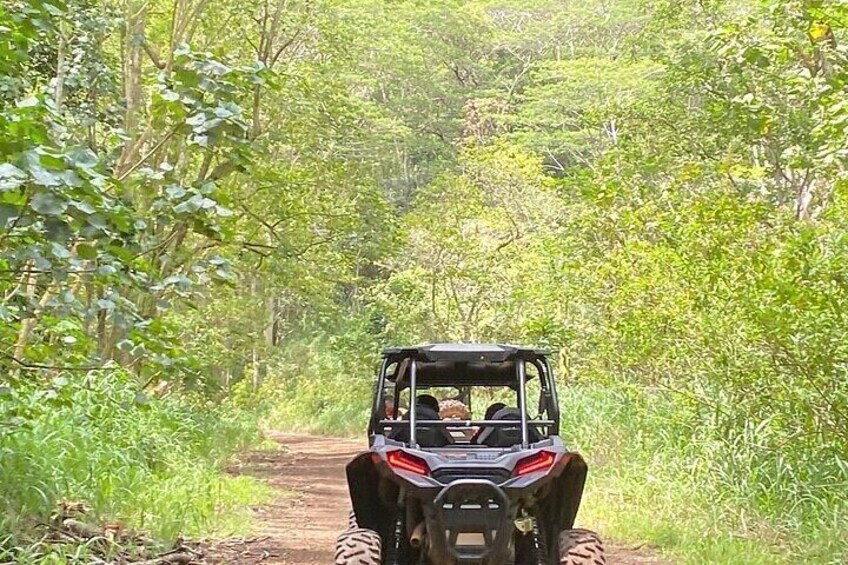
(300, 527)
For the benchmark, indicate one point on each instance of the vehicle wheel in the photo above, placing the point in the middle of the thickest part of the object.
(581, 547)
(351, 521)
(359, 547)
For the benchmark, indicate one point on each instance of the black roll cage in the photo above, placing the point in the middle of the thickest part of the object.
(505, 354)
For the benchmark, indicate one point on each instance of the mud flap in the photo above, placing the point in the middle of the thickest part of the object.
(370, 496)
(558, 510)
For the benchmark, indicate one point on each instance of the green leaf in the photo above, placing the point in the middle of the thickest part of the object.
(196, 121)
(83, 207)
(60, 251)
(11, 177)
(214, 67)
(57, 230)
(44, 177)
(71, 178)
(86, 251)
(182, 50)
(52, 9)
(7, 212)
(10, 184)
(82, 157)
(175, 191)
(193, 204)
(48, 204)
(106, 270)
(223, 112)
(97, 221)
(28, 102)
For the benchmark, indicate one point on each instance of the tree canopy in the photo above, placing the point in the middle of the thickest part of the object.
(238, 199)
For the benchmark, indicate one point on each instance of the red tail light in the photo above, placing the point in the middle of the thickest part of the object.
(541, 461)
(404, 461)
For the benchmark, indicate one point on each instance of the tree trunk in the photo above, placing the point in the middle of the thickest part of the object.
(61, 69)
(136, 14)
(28, 324)
(804, 199)
(271, 328)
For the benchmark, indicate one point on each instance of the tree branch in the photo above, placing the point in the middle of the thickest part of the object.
(154, 56)
(147, 155)
(40, 366)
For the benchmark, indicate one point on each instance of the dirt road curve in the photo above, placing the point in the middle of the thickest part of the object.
(301, 526)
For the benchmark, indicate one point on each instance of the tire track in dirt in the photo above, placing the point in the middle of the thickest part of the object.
(301, 525)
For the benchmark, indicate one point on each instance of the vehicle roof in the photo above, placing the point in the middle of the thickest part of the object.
(460, 364)
(464, 352)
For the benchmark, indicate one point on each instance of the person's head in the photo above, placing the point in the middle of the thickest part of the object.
(429, 401)
(494, 409)
(388, 406)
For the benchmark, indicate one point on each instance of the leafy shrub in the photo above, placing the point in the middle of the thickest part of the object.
(706, 497)
(150, 463)
(321, 387)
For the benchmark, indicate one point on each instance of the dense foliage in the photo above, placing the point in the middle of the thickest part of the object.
(239, 203)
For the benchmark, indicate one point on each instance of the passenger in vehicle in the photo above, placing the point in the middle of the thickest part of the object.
(388, 407)
(429, 401)
(426, 408)
(456, 410)
(452, 409)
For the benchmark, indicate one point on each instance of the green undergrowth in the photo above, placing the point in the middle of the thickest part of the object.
(154, 465)
(320, 388)
(342, 420)
(660, 477)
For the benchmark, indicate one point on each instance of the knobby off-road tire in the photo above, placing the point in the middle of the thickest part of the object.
(359, 547)
(581, 547)
(351, 521)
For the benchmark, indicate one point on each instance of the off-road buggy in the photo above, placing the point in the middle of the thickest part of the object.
(499, 490)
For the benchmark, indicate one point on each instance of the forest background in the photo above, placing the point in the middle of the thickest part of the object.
(214, 214)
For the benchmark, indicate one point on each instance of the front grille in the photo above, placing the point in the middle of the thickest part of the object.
(447, 476)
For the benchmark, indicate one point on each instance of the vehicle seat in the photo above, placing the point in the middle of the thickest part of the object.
(494, 436)
(427, 436)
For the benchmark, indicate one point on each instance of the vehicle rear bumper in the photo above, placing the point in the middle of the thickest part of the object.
(470, 521)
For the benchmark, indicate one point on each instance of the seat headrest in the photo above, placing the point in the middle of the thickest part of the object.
(507, 413)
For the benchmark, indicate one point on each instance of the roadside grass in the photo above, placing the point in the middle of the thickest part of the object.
(344, 420)
(152, 465)
(654, 480)
(318, 386)
(628, 508)
(316, 395)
